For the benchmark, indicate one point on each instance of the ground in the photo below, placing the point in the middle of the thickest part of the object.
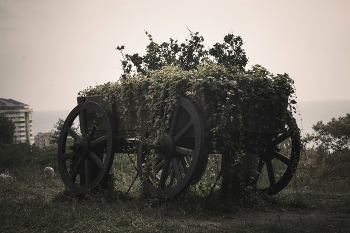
(323, 217)
(317, 219)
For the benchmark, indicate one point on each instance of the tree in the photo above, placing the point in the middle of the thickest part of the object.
(7, 130)
(329, 162)
(57, 131)
(333, 136)
(187, 55)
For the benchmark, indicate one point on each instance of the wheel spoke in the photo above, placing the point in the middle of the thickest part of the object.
(159, 166)
(96, 159)
(76, 169)
(280, 139)
(87, 171)
(183, 162)
(184, 151)
(94, 126)
(176, 169)
(164, 175)
(183, 131)
(270, 173)
(174, 121)
(280, 157)
(64, 157)
(74, 135)
(155, 161)
(99, 141)
(83, 123)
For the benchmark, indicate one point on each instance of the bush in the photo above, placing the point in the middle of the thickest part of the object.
(22, 154)
(326, 165)
(321, 170)
(15, 155)
(7, 131)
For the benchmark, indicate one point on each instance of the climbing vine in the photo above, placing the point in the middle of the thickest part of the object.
(234, 96)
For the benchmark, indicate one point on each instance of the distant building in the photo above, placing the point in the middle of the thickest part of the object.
(43, 139)
(22, 117)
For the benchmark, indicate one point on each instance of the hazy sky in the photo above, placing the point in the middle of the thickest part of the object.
(50, 50)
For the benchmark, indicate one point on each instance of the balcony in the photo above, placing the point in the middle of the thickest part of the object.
(20, 125)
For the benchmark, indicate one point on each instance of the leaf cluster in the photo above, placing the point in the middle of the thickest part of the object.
(57, 128)
(187, 55)
(333, 136)
(230, 94)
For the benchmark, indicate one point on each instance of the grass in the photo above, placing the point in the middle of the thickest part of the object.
(102, 216)
(24, 208)
(29, 180)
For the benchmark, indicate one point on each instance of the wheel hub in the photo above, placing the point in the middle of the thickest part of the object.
(81, 147)
(167, 147)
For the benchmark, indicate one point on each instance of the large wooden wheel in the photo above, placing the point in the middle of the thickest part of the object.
(168, 166)
(281, 157)
(85, 158)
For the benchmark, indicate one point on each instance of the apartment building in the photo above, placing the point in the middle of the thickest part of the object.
(22, 117)
(43, 139)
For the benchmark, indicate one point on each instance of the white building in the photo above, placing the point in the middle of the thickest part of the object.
(43, 139)
(22, 116)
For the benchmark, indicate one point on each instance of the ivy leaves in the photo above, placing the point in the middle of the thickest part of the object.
(188, 55)
(171, 69)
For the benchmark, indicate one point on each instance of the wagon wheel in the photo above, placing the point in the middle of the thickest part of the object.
(281, 157)
(86, 162)
(169, 166)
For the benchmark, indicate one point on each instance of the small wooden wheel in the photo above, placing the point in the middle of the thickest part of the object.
(85, 162)
(281, 157)
(167, 167)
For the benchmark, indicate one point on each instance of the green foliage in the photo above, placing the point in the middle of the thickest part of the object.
(7, 131)
(320, 169)
(217, 75)
(226, 91)
(57, 128)
(44, 157)
(333, 136)
(30, 179)
(22, 154)
(326, 164)
(15, 155)
(187, 55)
(231, 98)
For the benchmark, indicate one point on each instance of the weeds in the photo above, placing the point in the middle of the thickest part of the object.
(24, 207)
(114, 211)
(29, 179)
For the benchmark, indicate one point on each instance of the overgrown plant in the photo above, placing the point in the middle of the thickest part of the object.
(233, 96)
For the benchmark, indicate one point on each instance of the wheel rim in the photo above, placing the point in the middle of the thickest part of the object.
(169, 166)
(279, 160)
(86, 162)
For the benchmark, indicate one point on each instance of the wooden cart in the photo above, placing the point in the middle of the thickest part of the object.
(170, 165)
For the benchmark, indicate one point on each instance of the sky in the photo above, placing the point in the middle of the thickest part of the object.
(51, 50)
